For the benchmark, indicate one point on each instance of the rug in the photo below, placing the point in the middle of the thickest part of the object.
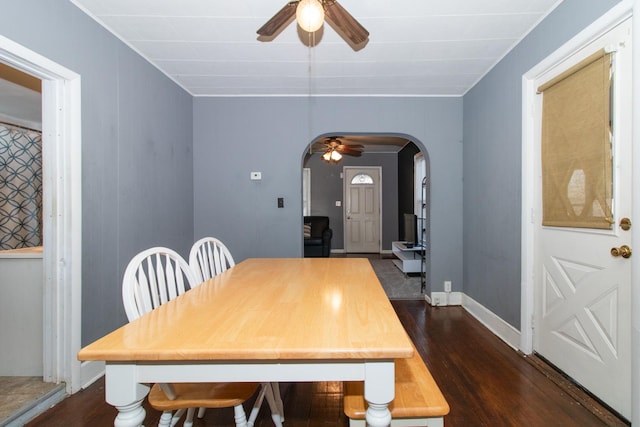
(394, 281)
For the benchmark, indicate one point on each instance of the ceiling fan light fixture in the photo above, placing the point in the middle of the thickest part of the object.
(332, 156)
(310, 15)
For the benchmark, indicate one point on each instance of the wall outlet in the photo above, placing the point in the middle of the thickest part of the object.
(447, 285)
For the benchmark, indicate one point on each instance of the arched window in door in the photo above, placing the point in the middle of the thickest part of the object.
(362, 179)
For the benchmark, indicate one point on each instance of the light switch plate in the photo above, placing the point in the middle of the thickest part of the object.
(256, 176)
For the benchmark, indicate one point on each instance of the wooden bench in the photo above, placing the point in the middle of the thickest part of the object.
(418, 400)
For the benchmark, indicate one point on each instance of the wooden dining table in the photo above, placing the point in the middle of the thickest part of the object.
(264, 320)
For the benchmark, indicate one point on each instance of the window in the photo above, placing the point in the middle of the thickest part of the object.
(362, 179)
(419, 172)
(419, 195)
(306, 191)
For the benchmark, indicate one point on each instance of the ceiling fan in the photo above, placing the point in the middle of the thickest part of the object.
(334, 149)
(339, 19)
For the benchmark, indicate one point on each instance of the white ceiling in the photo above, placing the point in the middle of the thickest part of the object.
(415, 48)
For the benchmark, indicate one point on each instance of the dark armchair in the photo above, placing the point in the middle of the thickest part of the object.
(317, 236)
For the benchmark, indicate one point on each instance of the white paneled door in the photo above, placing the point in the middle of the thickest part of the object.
(362, 209)
(582, 321)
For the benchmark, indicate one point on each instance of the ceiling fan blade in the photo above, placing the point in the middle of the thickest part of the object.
(345, 24)
(279, 21)
(349, 152)
(354, 146)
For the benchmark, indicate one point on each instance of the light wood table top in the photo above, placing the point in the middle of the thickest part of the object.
(268, 309)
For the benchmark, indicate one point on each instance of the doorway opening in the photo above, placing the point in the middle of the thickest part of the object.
(61, 253)
(323, 186)
(21, 293)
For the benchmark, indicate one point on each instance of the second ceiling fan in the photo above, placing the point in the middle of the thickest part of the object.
(339, 19)
(333, 148)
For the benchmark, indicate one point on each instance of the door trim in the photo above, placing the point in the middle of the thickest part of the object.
(344, 205)
(62, 211)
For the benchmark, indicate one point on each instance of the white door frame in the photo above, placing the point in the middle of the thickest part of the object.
(615, 16)
(344, 207)
(62, 211)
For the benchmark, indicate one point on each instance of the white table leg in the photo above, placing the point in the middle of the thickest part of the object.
(123, 392)
(379, 390)
(378, 415)
(130, 415)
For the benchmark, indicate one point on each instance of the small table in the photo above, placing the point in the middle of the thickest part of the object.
(264, 320)
(408, 258)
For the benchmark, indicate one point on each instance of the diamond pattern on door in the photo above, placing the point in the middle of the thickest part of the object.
(571, 275)
(593, 329)
(604, 315)
(573, 333)
(574, 272)
(552, 296)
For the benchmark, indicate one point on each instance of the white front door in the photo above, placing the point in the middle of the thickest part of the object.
(362, 209)
(582, 321)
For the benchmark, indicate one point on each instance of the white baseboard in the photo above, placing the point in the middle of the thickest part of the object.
(495, 324)
(90, 372)
(442, 299)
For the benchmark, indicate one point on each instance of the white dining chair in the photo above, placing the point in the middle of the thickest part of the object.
(208, 258)
(152, 278)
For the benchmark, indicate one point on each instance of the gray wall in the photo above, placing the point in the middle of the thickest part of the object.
(137, 161)
(492, 161)
(234, 136)
(327, 187)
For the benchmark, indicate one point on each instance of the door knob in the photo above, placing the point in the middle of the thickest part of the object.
(624, 251)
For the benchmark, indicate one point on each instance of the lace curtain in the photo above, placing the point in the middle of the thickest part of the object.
(20, 187)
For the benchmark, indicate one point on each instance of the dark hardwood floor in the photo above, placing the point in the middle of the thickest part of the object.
(486, 383)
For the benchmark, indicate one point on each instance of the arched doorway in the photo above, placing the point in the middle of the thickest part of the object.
(396, 155)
